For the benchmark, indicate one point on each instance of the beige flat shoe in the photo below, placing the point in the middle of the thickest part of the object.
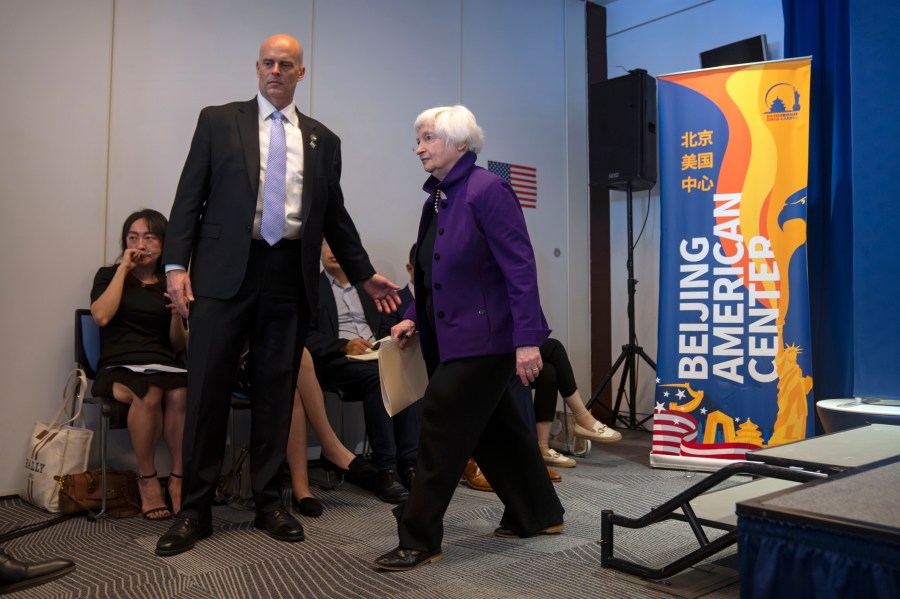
(554, 458)
(600, 433)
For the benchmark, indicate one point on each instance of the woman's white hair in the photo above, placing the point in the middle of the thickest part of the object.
(454, 124)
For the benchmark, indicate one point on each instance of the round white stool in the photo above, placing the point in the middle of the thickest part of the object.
(842, 414)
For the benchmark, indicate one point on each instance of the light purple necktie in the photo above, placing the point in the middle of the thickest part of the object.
(271, 226)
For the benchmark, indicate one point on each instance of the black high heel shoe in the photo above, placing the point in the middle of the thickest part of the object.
(359, 468)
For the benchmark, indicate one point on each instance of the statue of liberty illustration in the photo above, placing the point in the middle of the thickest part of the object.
(793, 387)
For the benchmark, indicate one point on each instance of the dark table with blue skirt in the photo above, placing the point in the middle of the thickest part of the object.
(838, 537)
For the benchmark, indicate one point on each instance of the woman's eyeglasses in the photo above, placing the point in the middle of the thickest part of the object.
(425, 140)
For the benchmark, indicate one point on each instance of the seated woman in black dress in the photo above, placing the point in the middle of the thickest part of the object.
(139, 325)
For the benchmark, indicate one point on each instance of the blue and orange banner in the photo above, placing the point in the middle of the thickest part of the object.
(734, 370)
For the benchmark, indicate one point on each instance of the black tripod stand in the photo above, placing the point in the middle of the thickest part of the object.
(631, 350)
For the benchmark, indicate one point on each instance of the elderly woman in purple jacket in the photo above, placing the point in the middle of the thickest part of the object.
(478, 314)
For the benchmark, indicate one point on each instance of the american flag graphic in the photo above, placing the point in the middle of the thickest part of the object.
(522, 178)
(675, 433)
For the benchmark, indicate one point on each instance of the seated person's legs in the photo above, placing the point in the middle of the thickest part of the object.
(586, 426)
(360, 380)
(174, 404)
(145, 425)
(546, 387)
(309, 404)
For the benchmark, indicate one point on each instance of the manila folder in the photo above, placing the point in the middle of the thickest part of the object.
(402, 373)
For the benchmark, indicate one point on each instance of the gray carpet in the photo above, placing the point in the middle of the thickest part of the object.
(115, 557)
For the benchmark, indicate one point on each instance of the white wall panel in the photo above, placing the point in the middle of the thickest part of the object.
(54, 60)
(377, 65)
(514, 81)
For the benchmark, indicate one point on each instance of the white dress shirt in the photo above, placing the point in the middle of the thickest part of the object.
(293, 183)
(352, 323)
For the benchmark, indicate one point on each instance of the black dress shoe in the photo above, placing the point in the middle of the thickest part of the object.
(309, 507)
(387, 488)
(407, 476)
(407, 559)
(182, 536)
(358, 468)
(280, 525)
(16, 575)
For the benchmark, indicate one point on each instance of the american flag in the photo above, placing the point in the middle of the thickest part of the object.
(522, 178)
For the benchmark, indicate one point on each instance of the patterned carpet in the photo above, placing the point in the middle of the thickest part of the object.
(115, 557)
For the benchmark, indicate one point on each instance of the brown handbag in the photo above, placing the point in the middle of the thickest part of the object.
(81, 493)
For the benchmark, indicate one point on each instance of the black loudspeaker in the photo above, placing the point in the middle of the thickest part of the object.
(622, 131)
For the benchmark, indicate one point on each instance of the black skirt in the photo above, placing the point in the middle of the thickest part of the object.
(138, 382)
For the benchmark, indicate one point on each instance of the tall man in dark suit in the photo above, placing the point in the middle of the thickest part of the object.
(253, 245)
(347, 324)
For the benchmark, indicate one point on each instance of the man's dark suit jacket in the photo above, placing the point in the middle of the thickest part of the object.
(211, 223)
(406, 300)
(323, 340)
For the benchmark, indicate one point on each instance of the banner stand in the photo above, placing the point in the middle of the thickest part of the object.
(734, 372)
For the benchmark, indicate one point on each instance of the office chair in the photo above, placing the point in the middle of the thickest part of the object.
(114, 414)
(232, 486)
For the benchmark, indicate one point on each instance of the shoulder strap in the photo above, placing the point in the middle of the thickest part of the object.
(74, 390)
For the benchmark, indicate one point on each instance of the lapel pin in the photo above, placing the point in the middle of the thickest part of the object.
(312, 141)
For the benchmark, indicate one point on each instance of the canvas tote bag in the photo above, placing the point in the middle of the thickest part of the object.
(57, 448)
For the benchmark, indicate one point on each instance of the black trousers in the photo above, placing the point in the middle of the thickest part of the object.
(271, 309)
(395, 441)
(557, 376)
(469, 410)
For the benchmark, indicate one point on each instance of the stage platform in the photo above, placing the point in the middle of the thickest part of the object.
(836, 537)
(783, 471)
(835, 452)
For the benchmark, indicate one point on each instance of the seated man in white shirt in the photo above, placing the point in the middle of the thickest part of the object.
(348, 323)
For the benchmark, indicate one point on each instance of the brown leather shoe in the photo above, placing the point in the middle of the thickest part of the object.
(554, 477)
(474, 477)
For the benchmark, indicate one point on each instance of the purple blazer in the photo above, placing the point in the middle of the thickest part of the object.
(485, 288)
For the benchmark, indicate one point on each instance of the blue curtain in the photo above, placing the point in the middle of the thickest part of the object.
(853, 299)
(875, 68)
